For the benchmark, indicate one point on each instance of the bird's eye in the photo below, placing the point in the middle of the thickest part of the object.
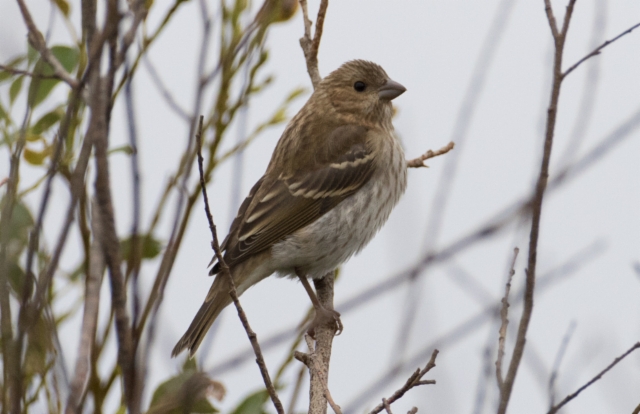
(359, 86)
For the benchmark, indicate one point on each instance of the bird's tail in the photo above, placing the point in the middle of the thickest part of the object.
(217, 299)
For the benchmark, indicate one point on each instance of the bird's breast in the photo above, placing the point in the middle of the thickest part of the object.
(328, 242)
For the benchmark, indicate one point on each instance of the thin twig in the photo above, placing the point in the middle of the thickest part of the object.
(419, 162)
(536, 205)
(570, 397)
(38, 42)
(414, 380)
(253, 338)
(471, 325)
(386, 405)
(162, 88)
(311, 45)
(597, 50)
(27, 73)
(556, 363)
(504, 313)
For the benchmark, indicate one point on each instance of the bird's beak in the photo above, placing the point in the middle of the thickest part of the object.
(390, 90)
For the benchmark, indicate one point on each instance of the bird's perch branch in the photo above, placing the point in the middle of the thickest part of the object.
(253, 338)
(318, 360)
(419, 162)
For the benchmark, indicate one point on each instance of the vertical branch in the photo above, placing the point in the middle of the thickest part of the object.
(110, 243)
(536, 204)
(319, 376)
(504, 313)
(89, 317)
(324, 287)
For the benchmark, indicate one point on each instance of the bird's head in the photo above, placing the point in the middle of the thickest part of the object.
(362, 89)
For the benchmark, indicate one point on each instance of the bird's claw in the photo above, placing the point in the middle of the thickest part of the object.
(328, 317)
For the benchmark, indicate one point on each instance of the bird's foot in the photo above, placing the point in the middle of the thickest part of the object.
(325, 317)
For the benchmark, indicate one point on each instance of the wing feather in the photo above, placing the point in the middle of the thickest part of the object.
(281, 203)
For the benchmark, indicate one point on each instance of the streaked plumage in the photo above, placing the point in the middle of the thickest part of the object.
(334, 177)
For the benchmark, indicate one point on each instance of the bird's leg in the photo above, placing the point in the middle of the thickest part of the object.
(323, 315)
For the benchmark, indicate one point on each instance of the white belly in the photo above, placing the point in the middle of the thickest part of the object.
(328, 242)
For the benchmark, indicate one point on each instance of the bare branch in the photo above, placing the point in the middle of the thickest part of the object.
(253, 338)
(27, 73)
(419, 162)
(570, 397)
(320, 358)
(386, 405)
(597, 50)
(414, 380)
(536, 204)
(89, 317)
(557, 361)
(110, 242)
(311, 45)
(37, 41)
(504, 312)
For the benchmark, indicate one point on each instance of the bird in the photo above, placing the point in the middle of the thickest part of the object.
(334, 177)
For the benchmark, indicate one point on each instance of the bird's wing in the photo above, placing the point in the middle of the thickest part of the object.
(280, 204)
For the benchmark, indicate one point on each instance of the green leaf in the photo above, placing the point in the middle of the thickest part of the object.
(253, 404)
(15, 88)
(47, 121)
(36, 157)
(150, 247)
(63, 6)
(127, 149)
(67, 56)
(32, 54)
(21, 223)
(189, 365)
(4, 75)
(3, 113)
(40, 88)
(186, 392)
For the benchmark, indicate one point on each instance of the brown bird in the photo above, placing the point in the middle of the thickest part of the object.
(335, 175)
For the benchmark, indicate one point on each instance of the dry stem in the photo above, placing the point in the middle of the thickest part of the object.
(37, 41)
(253, 338)
(414, 380)
(504, 313)
(419, 162)
(536, 204)
(311, 45)
(570, 397)
(597, 50)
